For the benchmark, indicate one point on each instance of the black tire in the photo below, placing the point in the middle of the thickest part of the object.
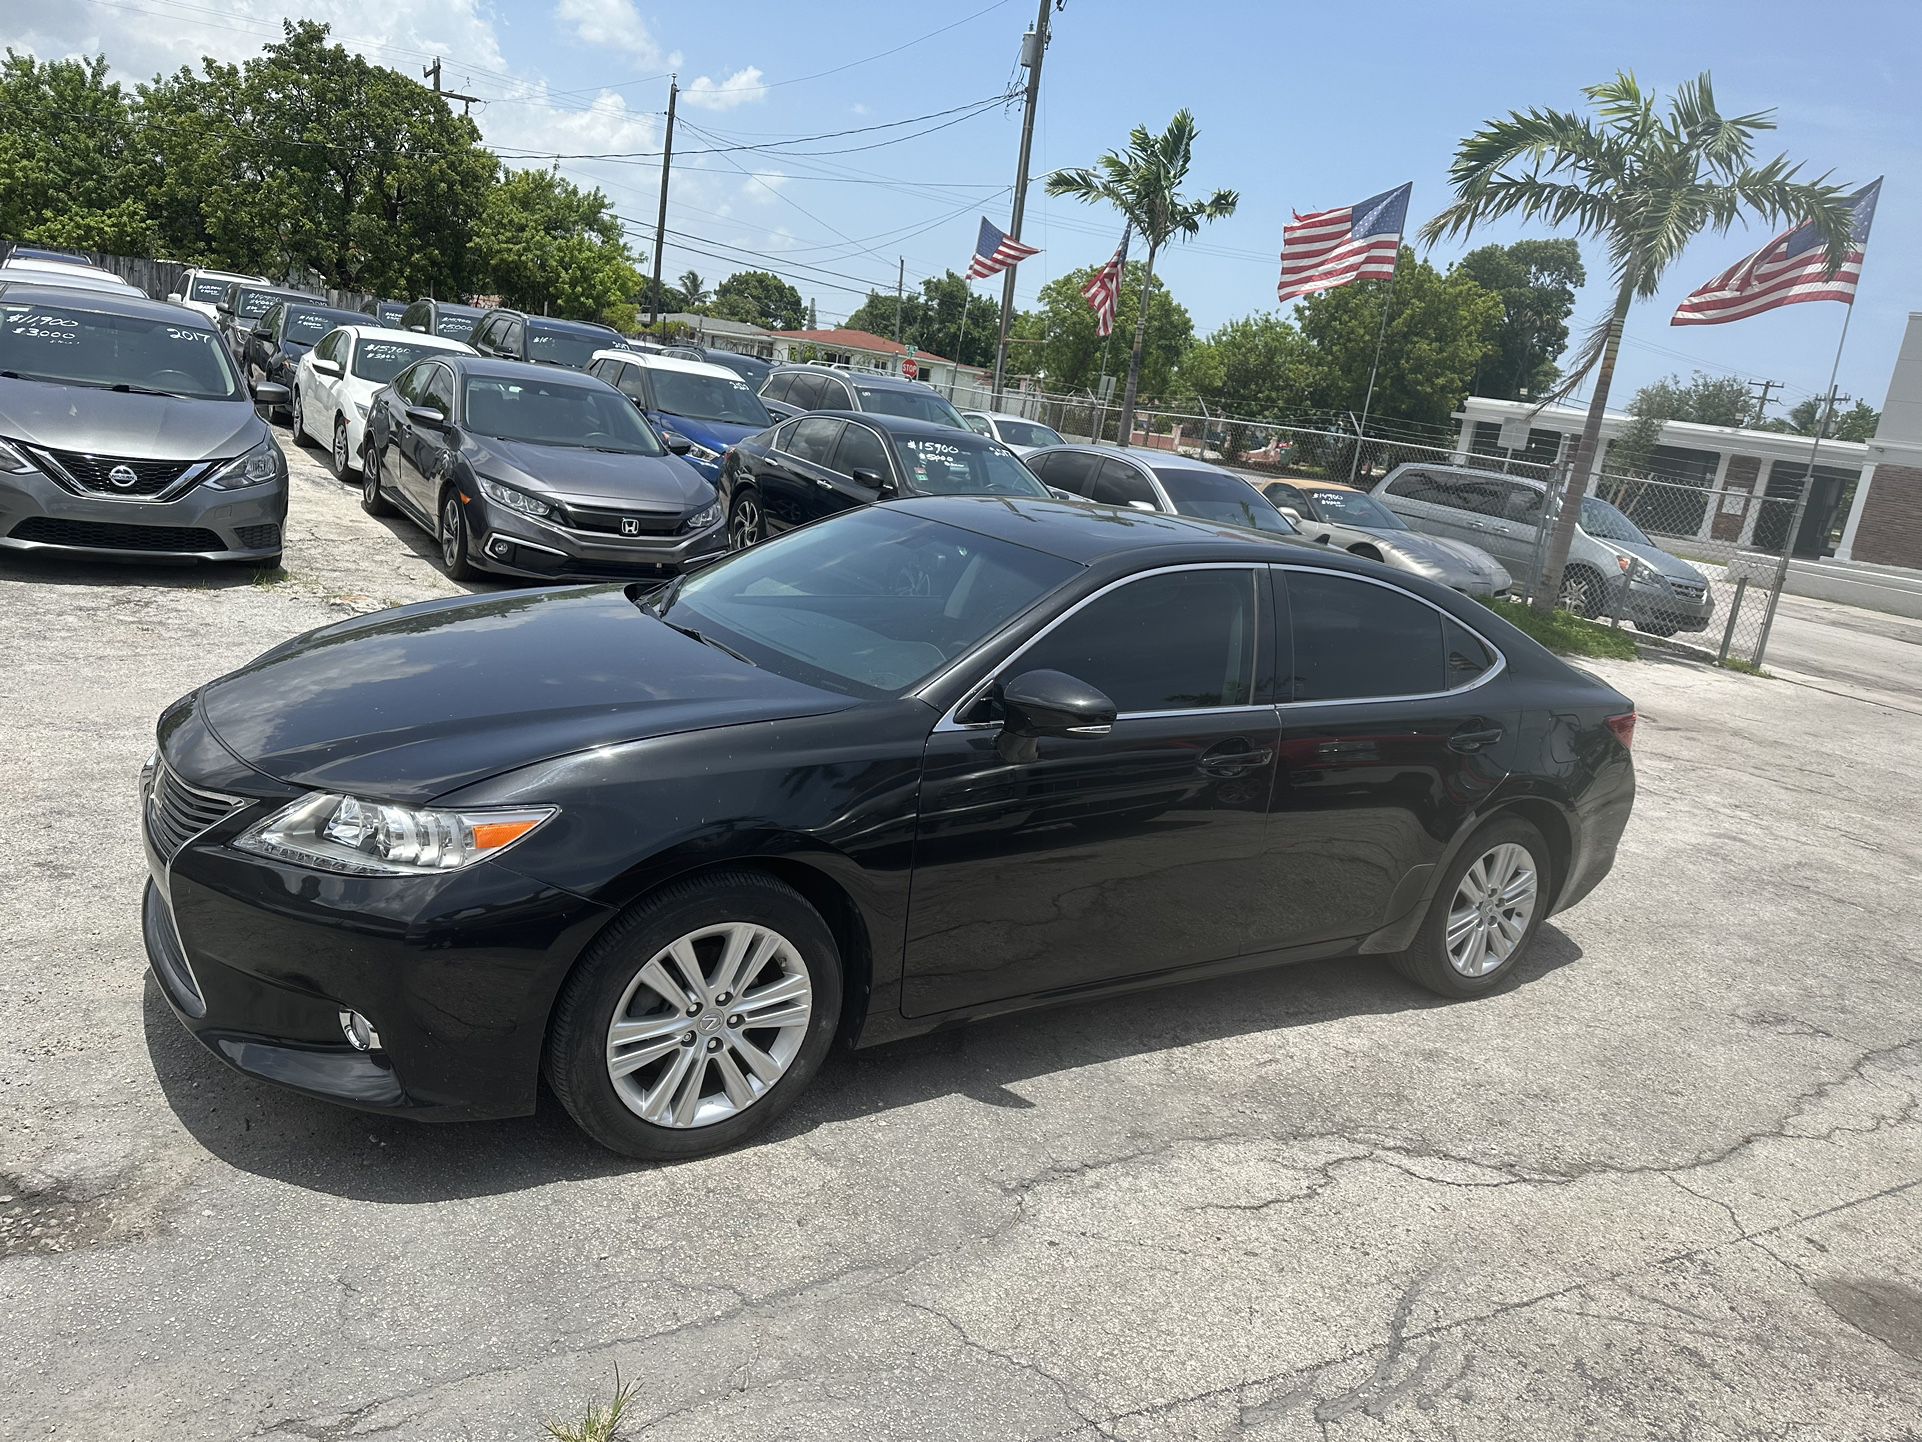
(1582, 591)
(1426, 962)
(299, 431)
(338, 449)
(577, 1042)
(746, 524)
(371, 499)
(456, 541)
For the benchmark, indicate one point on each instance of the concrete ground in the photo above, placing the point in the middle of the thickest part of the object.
(1668, 1185)
(1859, 650)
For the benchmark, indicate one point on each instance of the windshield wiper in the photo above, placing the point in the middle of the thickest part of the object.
(126, 389)
(721, 646)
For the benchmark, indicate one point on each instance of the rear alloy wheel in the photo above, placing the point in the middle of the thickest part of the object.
(340, 448)
(371, 500)
(744, 523)
(1485, 913)
(456, 545)
(698, 1018)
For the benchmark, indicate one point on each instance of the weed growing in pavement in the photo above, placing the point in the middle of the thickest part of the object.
(597, 1424)
(1565, 633)
(1747, 668)
(272, 577)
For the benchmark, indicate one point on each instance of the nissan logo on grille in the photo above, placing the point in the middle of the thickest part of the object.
(122, 477)
(630, 526)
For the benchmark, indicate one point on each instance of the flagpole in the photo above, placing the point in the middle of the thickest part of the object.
(961, 341)
(1808, 485)
(1388, 299)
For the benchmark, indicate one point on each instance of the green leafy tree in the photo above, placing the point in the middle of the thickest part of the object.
(693, 290)
(758, 297)
(69, 167)
(932, 320)
(1441, 326)
(1144, 183)
(1645, 183)
(1857, 423)
(1705, 399)
(1058, 341)
(1537, 281)
(544, 244)
(1248, 368)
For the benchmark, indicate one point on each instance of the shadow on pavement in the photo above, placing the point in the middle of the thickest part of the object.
(365, 1157)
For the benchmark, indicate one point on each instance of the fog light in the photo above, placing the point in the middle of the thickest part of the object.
(359, 1031)
(500, 549)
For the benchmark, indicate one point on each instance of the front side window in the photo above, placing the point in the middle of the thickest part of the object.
(558, 413)
(979, 425)
(1354, 639)
(416, 316)
(776, 387)
(704, 397)
(914, 404)
(870, 603)
(72, 346)
(269, 320)
(331, 346)
(439, 391)
(1071, 471)
(380, 361)
(862, 450)
(1419, 486)
(1283, 494)
(1179, 641)
(966, 465)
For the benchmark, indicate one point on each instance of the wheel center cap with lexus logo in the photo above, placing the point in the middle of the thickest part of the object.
(122, 476)
(711, 1023)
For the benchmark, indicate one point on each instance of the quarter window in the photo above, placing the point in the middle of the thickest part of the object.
(1174, 642)
(1355, 639)
(1467, 657)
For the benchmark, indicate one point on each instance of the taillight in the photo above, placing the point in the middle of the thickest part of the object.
(1624, 728)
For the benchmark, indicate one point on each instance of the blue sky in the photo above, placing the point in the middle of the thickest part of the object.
(1299, 108)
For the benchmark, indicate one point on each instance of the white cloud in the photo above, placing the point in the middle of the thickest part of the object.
(858, 108)
(741, 88)
(616, 25)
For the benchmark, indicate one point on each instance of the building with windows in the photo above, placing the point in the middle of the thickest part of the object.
(732, 335)
(862, 350)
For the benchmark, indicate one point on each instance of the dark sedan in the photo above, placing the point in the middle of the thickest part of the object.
(922, 762)
(240, 309)
(533, 471)
(285, 332)
(816, 465)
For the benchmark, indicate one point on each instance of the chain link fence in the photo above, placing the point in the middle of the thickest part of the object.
(1687, 564)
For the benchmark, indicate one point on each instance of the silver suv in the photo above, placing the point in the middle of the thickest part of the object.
(1613, 569)
(125, 431)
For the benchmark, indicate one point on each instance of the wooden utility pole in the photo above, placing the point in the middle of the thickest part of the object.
(1034, 48)
(467, 102)
(900, 285)
(1766, 389)
(660, 218)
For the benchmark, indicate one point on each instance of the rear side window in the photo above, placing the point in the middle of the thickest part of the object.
(1118, 483)
(1355, 639)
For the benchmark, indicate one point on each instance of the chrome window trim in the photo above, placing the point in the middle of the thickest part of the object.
(948, 721)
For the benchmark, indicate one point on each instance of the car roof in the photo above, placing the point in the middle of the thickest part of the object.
(1303, 484)
(1142, 456)
(497, 366)
(1450, 468)
(283, 291)
(71, 279)
(1090, 534)
(864, 378)
(412, 337)
(655, 361)
(105, 302)
(450, 305)
(207, 272)
(554, 322)
(1009, 416)
(895, 425)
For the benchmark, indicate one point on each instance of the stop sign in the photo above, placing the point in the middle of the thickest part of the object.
(910, 369)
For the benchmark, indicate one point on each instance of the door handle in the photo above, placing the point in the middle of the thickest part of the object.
(1468, 740)
(824, 485)
(1231, 759)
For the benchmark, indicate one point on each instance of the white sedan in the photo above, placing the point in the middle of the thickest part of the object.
(1017, 433)
(334, 383)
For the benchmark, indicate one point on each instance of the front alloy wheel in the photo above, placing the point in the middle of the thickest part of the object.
(744, 525)
(455, 547)
(1581, 592)
(371, 500)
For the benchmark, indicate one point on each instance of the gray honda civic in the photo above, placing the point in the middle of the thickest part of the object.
(125, 431)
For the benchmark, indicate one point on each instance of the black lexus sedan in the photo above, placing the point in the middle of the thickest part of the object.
(285, 332)
(923, 762)
(533, 471)
(814, 465)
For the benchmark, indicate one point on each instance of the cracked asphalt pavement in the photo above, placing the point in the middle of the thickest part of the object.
(1667, 1185)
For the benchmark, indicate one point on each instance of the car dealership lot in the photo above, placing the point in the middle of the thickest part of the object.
(1670, 1182)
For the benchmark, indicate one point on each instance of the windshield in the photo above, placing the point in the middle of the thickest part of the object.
(454, 327)
(706, 398)
(558, 413)
(967, 465)
(253, 304)
(565, 347)
(915, 405)
(870, 603)
(208, 288)
(81, 347)
(750, 367)
(381, 360)
(1211, 496)
(308, 326)
(1352, 508)
(1028, 433)
(1605, 523)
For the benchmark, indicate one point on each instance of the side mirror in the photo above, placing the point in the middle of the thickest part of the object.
(676, 445)
(1291, 513)
(862, 476)
(269, 394)
(431, 417)
(263, 332)
(1149, 506)
(326, 368)
(173, 297)
(1053, 703)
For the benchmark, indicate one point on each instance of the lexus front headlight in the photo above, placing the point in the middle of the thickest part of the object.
(330, 832)
(256, 468)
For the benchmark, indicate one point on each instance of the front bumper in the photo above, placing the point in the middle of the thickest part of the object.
(514, 545)
(456, 973)
(1660, 606)
(200, 525)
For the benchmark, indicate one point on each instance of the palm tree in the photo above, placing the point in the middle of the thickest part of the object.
(1645, 184)
(1144, 184)
(693, 288)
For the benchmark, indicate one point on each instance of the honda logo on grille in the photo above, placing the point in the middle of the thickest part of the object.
(630, 526)
(122, 476)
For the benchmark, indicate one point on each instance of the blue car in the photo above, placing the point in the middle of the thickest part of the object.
(708, 406)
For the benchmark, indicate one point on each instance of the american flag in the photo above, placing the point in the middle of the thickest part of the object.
(1793, 267)
(1340, 247)
(994, 251)
(1104, 287)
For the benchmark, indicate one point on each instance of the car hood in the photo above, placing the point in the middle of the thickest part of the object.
(1442, 552)
(600, 477)
(409, 704)
(715, 435)
(118, 423)
(1674, 567)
